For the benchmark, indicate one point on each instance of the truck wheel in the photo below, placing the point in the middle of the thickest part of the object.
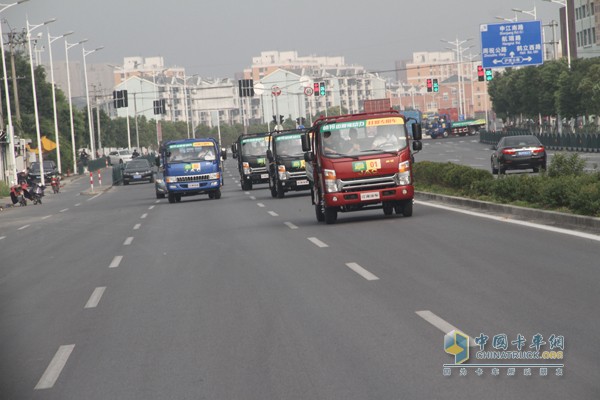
(246, 185)
(445, 134)
(217, 194)
(178, 198)
(407, 208)
(211, 195)
(171, 198)
(273, 191)
(280, 191)
(319, 213)
(330, 215)
(388, 208)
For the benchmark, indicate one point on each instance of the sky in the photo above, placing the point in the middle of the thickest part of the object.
(218, 38)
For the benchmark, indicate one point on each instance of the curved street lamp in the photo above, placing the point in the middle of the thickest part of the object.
(87, 96)
(566, 5)
(51, 39)
(12, 164)
(74, 149)
(30, 28)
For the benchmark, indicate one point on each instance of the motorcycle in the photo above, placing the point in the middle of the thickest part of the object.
(55, 183)
(19, 194)
(37, 192)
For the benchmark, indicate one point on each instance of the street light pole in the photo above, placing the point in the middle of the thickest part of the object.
(565, 3)
(87, 96)
(12, 163)
(74, 149)
(51, 39)
(35, 106)
(459, 50)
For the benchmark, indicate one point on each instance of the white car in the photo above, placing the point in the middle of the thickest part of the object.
(119, 156)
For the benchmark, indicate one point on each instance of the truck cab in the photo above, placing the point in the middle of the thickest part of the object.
(286, 163)
(251, 154)
(359, 162)
(192, 167)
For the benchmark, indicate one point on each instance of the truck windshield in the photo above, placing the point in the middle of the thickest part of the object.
(255, 146)
(191, 152)
(356, 138)
(288, 145)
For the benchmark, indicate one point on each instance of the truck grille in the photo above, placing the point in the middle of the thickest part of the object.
(258, 169)
(299, 174)
(380, 182)
(192, 178)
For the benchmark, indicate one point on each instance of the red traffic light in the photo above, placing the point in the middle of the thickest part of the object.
(316, 88)
(429, 85)
(480, 73)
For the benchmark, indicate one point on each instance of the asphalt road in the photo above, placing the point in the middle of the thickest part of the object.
(122, 296)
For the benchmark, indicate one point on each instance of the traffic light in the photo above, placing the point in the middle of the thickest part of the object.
(163, 106)
(124, 95)
(322, 88)
(316, 88)
(429, 85)
(156, 104)
(246, 87)
(115, 96)
(480, 73)
(435, 86)
(488, 74)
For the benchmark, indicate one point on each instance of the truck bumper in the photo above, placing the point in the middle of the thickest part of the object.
(369, 197)
(193, 188)
(257, 178)
(296, 184)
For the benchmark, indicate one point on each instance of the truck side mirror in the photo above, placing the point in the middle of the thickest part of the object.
(269, 155)
(309, 157)
(417, 145)
(417, 131)
(305, 142)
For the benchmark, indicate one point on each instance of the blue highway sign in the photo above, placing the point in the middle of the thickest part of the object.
(511, 44)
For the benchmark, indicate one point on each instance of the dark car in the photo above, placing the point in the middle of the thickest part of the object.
(518, 152)
(137, 170)
(159, 185)
(49, 171)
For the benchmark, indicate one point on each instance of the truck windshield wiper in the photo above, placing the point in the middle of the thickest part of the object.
(381, 151)
(333, 153)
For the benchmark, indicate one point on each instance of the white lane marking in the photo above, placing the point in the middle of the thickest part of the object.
(514, 221)
(95, 297)
(150, 208)
(144, 216)
(317, 242)
(64, 210)
(2, 237)
(260, 204)
(136, 227)
(252, 198)
(362, 272)
(246, 193)
(77, 205)
(157, 201)
(46, 217)
(55, 367)
(23, 227)
(273, 213)
(290, 225)
(128, 241)
(92, 198)
(441, 324)
(115, 262)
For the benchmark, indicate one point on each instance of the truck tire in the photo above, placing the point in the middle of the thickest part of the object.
(407, 208)
(280, 191)
(246, 185)
(388, 208)
(171, 198)
(330, 215)
(319, 213)
(217, 194)
(445, 134)
(178, 198)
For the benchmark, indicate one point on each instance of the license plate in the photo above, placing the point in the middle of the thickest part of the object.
(369, 196)
(264, 176)
(524, 153)
(302, 182)
(193, 185)
(137, 176)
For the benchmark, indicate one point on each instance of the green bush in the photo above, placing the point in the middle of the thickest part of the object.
(566, 165)
(4, 189)
(587, 200)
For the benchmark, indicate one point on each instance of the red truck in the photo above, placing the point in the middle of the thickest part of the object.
(359, 162)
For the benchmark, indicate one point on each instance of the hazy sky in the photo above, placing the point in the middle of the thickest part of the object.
(217, 38)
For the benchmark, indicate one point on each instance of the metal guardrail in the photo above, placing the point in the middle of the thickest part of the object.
(583, 142)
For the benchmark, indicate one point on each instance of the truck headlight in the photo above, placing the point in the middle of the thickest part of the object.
(171, 179)
(281, 172)
(403, 175)
(246, 168)
(330, 181)
(214, 175)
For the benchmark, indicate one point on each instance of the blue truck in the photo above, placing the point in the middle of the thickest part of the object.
(192, 167)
